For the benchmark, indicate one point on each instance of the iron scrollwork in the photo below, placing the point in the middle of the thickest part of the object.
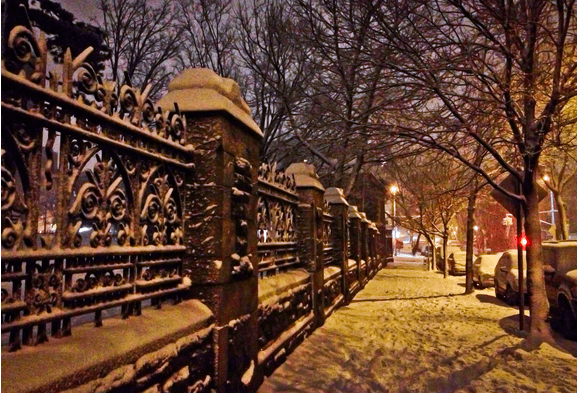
(275, 221)
(14, 207)
(101, 204)
(92, 176)
(268, 173)
(160, 217)
(46, 289)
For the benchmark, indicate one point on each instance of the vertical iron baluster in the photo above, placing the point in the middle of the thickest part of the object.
(41, 336)
(27, 335)
(14, 343)
(138, 308)
(56, 330)
(66, 328)
(98, 318)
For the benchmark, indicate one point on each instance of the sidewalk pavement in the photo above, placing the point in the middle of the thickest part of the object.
(414, 331)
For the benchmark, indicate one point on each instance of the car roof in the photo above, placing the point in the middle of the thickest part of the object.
(513, 256)
(489, 258)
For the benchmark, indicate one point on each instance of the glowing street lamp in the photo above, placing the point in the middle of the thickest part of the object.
(546, 179)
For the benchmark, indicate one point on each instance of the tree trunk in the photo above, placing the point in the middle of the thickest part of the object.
(470, 241)
(430, 242)
(539, 307)
(354, 174)
(563, 232)
(445, 250)
(415, 245)
(433, 252)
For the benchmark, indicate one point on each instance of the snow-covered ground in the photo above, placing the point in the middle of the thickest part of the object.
(414, 331)
(408, 261)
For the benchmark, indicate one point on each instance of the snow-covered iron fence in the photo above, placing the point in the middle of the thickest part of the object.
(110, 204)
(92, 194)
(328, 268)
(328, 239)
(276, 211)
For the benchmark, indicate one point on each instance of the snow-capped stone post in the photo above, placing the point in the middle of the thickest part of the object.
(365, 262)
(382, 246)
(310, 228)
(387, 245)
(220, 228)
(338, 206)
(373, 255)
(355, 246)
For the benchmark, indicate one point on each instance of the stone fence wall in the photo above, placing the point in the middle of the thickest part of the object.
(145, 248)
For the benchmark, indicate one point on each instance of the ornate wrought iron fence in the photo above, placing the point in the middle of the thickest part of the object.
(328, 238)
(277, 202)
(92, 194)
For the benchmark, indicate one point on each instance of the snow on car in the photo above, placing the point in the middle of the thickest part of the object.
(506, 277)
(483, 268)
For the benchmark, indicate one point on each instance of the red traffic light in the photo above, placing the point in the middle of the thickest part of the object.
(523, 241)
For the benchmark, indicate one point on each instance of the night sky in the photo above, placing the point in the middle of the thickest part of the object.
(83, 10)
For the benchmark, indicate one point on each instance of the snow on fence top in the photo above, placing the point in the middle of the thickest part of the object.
(305, 176)
(201, 90)
(271, 176)
(334, 195)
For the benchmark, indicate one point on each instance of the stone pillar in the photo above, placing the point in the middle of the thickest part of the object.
(388, 245)
(373, 237)
(338, 207)
(355, 238)
(310, 229)
(364, 242)
(220, 227)
(381, 245)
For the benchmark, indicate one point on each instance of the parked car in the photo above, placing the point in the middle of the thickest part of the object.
(457, 263)
(560, 278)
(483, 268)
(451, 248)
(506, 277)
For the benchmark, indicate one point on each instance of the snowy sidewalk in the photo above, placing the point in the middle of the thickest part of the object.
(414, 331)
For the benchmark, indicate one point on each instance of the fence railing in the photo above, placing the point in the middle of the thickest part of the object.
(92, 194)
(329, 248)
(276, 212)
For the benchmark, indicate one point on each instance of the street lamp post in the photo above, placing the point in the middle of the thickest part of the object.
(393, 189)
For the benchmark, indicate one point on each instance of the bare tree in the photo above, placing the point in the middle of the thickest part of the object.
(208, 29)
(276, 67)
(470, 59)
(144, 40)
(433, 189)
(333, 118)
(559, 164)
